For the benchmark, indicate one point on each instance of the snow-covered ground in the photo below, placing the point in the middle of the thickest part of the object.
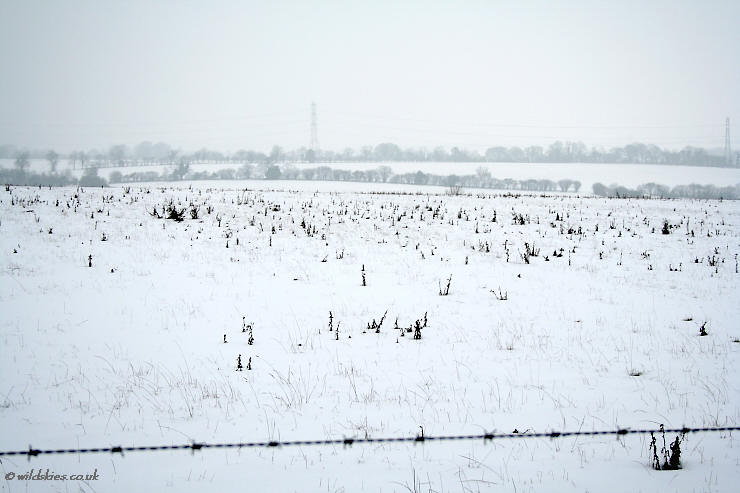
(130, 350)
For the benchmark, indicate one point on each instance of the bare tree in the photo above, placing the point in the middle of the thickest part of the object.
(22, 162)
(276, 154)
(172, 155)
(82, 156)
(53, 159)
(565, 184)
(245, 172)
(117, 154)
(181, 170)
(385, 173)
(454, 186)
(484, 177)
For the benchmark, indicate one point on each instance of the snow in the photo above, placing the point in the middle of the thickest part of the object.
(130, 351)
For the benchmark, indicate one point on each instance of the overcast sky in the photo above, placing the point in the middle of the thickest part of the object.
(241, 74)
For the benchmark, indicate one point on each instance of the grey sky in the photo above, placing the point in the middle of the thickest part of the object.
(240, 74)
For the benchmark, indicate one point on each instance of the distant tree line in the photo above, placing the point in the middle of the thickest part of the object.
(383, 174)
(655, 190)
(482, 178)
(160, 153)
(19, 174)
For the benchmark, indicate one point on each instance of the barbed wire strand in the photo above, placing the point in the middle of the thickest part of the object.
(196, 446)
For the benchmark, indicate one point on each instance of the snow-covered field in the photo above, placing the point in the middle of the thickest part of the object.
(600, 330)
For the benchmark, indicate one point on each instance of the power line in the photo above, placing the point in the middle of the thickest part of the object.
(421, 438)
(520, 125)
(483, 135)
(258, 118)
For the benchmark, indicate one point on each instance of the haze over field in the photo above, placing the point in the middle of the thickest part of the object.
(231, 74)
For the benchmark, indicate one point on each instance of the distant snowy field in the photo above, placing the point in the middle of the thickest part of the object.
(130, 350)
(628, 175)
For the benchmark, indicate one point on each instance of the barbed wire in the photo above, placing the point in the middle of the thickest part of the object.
(421, 438)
